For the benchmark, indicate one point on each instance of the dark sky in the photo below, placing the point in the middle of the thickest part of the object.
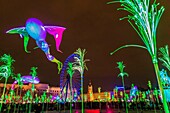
(92, 25)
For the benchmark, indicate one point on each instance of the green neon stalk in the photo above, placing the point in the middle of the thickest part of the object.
(6, 79)
(20, 83)
(43, 97)
(70, 71)
(82, 63)
(164, 56)
(125, 46)
(6, 71)
(34, 74)
(121, 67)
(145, 19)
(11, 95)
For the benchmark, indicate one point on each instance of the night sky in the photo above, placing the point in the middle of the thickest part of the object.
(92, 25)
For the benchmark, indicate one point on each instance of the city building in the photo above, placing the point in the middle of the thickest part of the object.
(90, 96)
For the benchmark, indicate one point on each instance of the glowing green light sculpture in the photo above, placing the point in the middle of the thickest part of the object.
(34, 74)
(27, 97)
(70, 71)
(6, 70)
(149, 85)
(20, 83)
(121, 67)
(164, 56)
(82, 65)
(11, 93)
(43, 98)
(146, 18)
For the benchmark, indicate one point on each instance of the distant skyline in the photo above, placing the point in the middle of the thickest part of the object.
(90, 25)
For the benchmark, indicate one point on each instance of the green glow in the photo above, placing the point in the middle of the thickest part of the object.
(18, 79)
(34, 74)
(82, 65)
(125, 46)
(70, 71)
(121, 67)
(145, 19)
(164, 56)
(43, 99)
(149, 84)
(6, 70)
(23, 33)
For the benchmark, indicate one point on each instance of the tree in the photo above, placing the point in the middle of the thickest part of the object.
(6, 70)
(121, 67)
(145, 22)
(82, 65)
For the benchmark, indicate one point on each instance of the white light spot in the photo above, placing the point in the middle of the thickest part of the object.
(56, 36)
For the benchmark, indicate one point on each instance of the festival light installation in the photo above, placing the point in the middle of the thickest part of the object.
(70, 71)
(38, 31)
(43, 99)
(165, 79)
(6, 70)
(82, 66)
(121, 67)
(26, 79)
(20, 83)
(20, 80)
(164, 56)
(70, 77)
(133, 91)
(165, 59)
(146, 18)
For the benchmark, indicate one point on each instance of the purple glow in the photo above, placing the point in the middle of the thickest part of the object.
(26, 79)
(35, 29)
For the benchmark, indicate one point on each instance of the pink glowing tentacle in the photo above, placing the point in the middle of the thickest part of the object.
(13, 85)
(57, 33)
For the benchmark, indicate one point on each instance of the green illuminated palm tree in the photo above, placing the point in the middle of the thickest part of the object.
(20, 83)
(145, 19)
(70, 71)
(164, 56)
(28, 97)
(121, 67)
(6, 70)
(82, 65)
(11, 99)
(43, 100)
(34, 74)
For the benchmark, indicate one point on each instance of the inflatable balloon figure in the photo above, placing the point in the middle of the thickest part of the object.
(37, 31)
(26, 79)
